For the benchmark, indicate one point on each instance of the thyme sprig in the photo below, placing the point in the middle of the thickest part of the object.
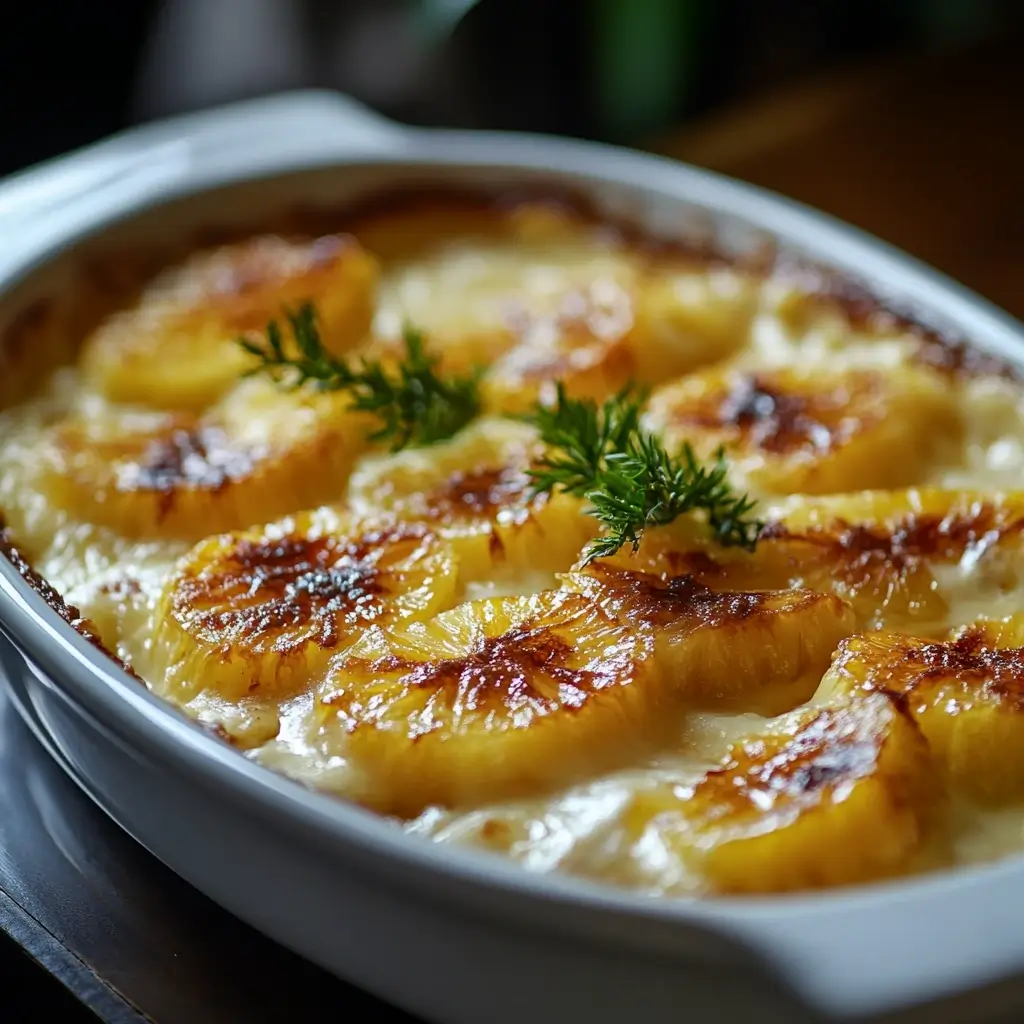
(601, 453)
(597, 452)
(415, 404)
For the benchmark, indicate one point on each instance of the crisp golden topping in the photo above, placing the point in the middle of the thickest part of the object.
(672, 601)
(966, 693)
(830, 796)
(266, 585)
(176, 349)
(764, 413)
(879, 550)
(808, 430)
(253, 457)
(490, 492)
(201, 457)
(264, 610)
(530, 671)
(781, 640)
(502, 697)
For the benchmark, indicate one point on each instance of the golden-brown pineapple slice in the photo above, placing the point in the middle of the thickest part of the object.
(616, 328)
(896, 556)
(260, 613)
(583, 344)
(804, 319)
(688, 316)
(509, 696)
(260, 453)
(476, 492)
(826, 796)
(538, 294)
(730, 650)
(813, 431)
(479, 296)
(177, 348)
(966, 694)
(494, 699)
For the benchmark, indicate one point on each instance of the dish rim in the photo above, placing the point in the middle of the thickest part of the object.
(807, 937)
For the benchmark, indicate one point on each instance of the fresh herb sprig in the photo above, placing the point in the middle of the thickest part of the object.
(599, 453)
(631, 481)
(414, 403)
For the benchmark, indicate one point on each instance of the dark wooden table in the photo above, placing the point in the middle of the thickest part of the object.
(92, 925)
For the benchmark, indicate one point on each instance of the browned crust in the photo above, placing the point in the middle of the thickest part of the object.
(68, 612)
(767, 416)
(916, 670)
(943, 350)
(833, 746)
(530, 663)
(483, 493)
(262, 589)
(198, 458)
(912, 537)
(676, 601)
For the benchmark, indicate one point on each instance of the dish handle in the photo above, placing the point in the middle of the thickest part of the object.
(239, 139)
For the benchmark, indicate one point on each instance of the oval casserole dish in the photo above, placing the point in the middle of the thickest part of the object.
(454, 934)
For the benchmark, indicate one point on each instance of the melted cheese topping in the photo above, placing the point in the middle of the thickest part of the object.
(455, 676)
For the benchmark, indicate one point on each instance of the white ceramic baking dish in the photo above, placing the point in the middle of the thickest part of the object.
(454, 935)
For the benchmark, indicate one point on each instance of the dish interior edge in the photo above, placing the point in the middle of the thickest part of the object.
(421, 631)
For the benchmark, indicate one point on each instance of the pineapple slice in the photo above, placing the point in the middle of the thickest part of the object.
(177, 348)
(508, 697)
(898, 557)
(687, 316)
(482, 295)
(729, 650)
(538, 294)
(258, 454)
(583, 343)
(826, 796)
(261, 612)
(494, 699)
(965, 693)
(476, 493)
(813, 431)
(618, 328)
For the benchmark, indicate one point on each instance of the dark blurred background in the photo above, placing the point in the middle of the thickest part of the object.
(903, 116)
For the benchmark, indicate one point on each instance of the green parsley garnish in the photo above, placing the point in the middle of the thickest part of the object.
(601, 453)
(415, 404)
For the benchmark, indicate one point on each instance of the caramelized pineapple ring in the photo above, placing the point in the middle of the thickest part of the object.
(813, 432)
(735, 650)
(495, 699)
(583, 343)
(482, 294)
(259, 454)
(261, 612)
(878, 550)
(828, 796)
(476, 492)
(689, 315)
(177, 348)
(619, 328)
(966, 694)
